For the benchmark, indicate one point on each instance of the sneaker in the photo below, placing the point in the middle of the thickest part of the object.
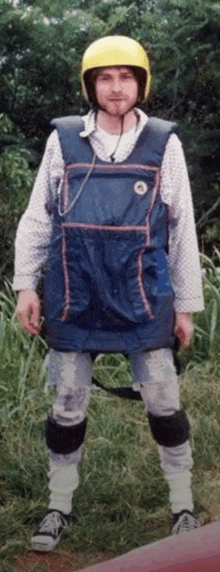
(49, 531)
(184, 522)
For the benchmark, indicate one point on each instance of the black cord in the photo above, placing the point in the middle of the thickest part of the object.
(112, 156)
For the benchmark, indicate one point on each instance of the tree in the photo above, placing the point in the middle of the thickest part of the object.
(41, 45)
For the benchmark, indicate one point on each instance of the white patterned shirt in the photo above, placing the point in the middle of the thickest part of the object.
(35, 227)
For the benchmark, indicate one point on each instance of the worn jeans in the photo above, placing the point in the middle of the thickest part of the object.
(70, 373)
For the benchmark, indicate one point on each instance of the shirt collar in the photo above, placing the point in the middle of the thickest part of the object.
(90, 122)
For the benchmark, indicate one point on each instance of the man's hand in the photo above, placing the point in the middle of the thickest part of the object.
(183, 328)
(28, 311)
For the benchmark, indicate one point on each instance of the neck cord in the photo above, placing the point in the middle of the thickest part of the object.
(68, 208)
(112, 156)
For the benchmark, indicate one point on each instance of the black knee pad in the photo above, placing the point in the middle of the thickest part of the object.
(170, 430)
(64, 440)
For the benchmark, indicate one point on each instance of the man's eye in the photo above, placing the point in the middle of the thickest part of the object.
(126, 76)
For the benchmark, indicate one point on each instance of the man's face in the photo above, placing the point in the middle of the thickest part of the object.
(116, 90)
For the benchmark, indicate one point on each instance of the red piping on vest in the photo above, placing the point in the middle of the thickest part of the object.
(146, 229)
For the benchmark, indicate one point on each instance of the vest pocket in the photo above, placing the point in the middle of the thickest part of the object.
(105, 274)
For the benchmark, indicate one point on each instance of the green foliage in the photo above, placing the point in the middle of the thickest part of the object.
(211, 239)
(41, 45)
(19, 350)
(16, 180)
(22, 410)
(206, 339)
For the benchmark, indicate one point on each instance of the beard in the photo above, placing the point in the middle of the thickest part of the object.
(116, 108)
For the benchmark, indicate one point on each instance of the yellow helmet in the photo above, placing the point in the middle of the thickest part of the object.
(116, 51)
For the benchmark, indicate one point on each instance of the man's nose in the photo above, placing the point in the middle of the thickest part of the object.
(116, 84)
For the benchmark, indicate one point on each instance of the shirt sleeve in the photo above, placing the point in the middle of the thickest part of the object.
(35, 227)
(183, 251)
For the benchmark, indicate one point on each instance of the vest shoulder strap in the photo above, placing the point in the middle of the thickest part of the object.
(69, 122)
(73, 147)
(152, 141)
(160, 126)
(160, 129)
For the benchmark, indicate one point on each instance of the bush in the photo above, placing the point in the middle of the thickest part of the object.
(206, 339)
(16, 180)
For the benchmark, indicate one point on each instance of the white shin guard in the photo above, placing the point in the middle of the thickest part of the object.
(177, 463)
(63, 481)
(180, 495)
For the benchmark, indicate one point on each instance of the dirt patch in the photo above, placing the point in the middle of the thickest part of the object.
(53, 562)
(60, 561)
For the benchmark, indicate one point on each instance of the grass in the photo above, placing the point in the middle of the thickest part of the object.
(206, 341)
(122, 500)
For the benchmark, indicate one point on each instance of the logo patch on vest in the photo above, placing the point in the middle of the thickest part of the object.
(140, 188)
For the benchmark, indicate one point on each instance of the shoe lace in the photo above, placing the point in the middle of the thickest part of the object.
(187, 524)
(51, 523)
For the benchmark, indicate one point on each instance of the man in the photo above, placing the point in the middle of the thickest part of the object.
(111, 215)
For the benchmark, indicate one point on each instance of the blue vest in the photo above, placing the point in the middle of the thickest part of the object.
(107, 285)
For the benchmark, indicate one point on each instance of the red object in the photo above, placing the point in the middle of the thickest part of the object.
(197, 551)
